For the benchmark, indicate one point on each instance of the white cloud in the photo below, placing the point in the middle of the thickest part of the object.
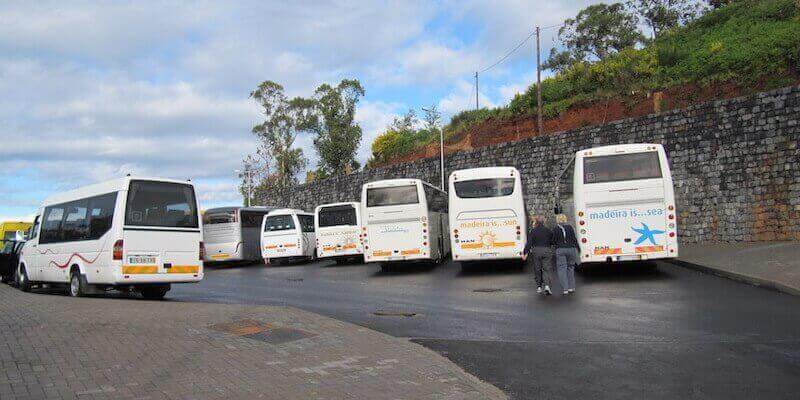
(373, 117)
(463, 98)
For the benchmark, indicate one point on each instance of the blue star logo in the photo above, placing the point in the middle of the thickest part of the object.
(647, 234)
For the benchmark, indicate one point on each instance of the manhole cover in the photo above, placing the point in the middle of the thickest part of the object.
(487, 290)
(387, 313)
(258, 330)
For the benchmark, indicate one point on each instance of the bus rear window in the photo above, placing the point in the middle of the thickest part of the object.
(392, 196)
(219, 218)
(621, 167)
(278, 223)
(484, 188)
(337, 216)
(161, 204)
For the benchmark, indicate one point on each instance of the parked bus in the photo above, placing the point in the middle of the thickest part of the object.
(13, 229)
(624, 204)
(233, 233)
(488, 217)
(404, 220)
(287, 234)
(338, 231)
(139, 234)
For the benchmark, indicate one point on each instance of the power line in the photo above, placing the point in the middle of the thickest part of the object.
(510, 52)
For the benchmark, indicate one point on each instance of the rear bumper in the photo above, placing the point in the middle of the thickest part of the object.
(288, 252)
(398, 258)
(515, 254)
(142, 278)
(628, 257)
(338, 253)
(230, 251)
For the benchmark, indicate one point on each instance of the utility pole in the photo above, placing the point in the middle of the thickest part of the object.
(539, 83)
(476, 91)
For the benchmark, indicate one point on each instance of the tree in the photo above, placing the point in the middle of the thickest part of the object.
(432, 118)
(277, 134)
(559, 61)
(719, 3)
(330, 116)
(597, 32)
(663, 15)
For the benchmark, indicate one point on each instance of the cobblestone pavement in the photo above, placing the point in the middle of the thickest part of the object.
(57, 347)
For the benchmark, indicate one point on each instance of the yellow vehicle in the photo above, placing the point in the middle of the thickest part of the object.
(9, 229)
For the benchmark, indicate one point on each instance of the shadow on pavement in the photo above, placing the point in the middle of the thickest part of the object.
(491, 268)
(404, 269)
(623, 272)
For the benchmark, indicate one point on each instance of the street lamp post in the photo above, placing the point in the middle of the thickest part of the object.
(248, 175)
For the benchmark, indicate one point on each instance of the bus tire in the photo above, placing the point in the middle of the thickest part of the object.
(154, 292)
(385, 267)
(23, 282)
(77, 284)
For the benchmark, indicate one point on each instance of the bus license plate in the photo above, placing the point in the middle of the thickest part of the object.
(488, 254)
(629, 258)
(147, 260)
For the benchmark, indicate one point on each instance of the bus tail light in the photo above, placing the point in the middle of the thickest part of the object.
(117, 251)
(202, 251)
(582, 222)
(580, 213)
(583, 240)
(671, 207)
(672, 234)
(671, 216)
(424, 243)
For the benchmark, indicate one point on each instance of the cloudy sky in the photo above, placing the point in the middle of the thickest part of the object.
(95, 90)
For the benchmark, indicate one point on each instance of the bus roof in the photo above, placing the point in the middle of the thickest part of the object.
(284, 211)
(483, 172)
(242, 208)
(399, 182)
(113, 185)
(621, 148)
(344, 203)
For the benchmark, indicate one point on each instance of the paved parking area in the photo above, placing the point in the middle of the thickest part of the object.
(662, 332)
(56, 347)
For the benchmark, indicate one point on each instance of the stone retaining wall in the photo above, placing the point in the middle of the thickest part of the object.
(734, 164)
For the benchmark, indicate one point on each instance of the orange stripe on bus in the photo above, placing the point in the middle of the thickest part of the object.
(412, 251)
(381, 253)
(139, 269)
(649, 249)
(608, 251)
(503, 244)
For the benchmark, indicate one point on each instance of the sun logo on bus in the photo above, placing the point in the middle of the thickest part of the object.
(487, 239)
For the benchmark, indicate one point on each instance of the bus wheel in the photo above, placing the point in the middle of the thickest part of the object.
(23, 283)
(385, 267)
(155, 292)
(77, 284)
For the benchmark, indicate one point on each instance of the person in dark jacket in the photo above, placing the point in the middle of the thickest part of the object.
(566, 253)
(539, 247)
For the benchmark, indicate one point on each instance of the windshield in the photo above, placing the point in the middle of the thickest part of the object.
(219, 217)
(621, 167)
(161, 204)
(392, 196)
(278, 223)
(337, 216)
(483, 188)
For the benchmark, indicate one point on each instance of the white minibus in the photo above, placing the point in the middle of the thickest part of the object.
(404, 220)
(488, 219)
(233, 233)
(139, 234)
(338, 231)
(287, 234)
(624, 204)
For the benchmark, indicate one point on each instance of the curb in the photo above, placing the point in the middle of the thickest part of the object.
(750, 280)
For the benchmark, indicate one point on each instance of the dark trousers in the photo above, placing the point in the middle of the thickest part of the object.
(542, 265)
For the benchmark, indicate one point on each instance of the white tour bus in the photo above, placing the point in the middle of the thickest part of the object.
(404, 220)
(287, 234)
(338, 231)
(233, 233)
(624, 204)
(488, 218)
(137, 234)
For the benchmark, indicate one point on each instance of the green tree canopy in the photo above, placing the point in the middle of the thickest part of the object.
(662, 15)
(277, 135)
(330, 116)
(598, 31)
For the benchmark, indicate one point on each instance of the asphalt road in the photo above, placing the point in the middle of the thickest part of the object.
(628, 332)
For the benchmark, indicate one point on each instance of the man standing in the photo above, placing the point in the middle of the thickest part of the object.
(539, 247)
